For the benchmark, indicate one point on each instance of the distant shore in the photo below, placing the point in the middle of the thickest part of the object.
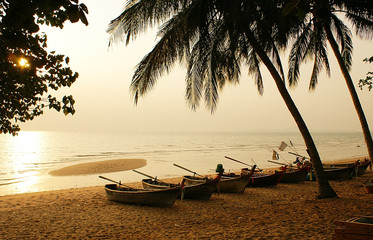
(287, 211)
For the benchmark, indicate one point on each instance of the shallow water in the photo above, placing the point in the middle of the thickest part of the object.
(26, 159)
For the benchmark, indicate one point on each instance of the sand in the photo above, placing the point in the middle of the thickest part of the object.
(287, 211)
(107, 166)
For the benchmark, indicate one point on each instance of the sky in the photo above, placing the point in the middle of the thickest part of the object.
(104, 102)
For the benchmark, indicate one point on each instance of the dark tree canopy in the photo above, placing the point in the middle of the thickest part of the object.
(28, 73)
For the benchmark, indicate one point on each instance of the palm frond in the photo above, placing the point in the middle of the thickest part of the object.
(320, 60)
(276, 60)
(363, 25)
(160, 59)
(194, 79)
(140, 15)
(344, 38)
(254, 70)
(298, 53)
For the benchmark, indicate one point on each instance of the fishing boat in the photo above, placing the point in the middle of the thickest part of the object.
(259, 179)
(360, 166)
(234, 183)
(335, 173)
(199, 191)
(294, 175)
(152, 197)
(229, 182)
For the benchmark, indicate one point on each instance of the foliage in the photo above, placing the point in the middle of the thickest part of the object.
(209, 36)
(27, 71)
(214, 39)
(318, 17)
(368, 81)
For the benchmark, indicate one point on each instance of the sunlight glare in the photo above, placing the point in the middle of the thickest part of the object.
(23, 62)
(27, 152)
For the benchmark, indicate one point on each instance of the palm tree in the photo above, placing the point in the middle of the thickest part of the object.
(214, 38)
(316, 30)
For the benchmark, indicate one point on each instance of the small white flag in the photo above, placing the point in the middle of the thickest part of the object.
(282, 146)
(275, 155)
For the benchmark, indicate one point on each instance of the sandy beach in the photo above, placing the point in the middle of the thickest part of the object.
(287, 211)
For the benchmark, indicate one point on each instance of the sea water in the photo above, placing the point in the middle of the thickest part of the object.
(26, 159)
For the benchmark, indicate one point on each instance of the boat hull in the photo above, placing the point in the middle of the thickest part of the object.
(360, 168)
(159, 197)
(227, 184)
(337, 173)
(294, 176)
(198, 191)
(265, 179)
(234, 184)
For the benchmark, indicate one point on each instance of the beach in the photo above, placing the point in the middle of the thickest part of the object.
(287, 211)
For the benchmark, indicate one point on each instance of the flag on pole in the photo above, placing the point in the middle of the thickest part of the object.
(282, 146)
(275, 155)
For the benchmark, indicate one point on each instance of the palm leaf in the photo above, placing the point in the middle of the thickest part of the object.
(344, 38)
(139, 16)
(298, 53)
(320, 59)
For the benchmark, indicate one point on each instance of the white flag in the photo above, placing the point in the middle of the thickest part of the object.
(282, 146)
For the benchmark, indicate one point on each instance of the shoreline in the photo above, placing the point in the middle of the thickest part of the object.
(67, 176)
(280, 212)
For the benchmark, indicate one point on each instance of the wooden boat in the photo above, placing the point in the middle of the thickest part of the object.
(294, 176)
(152, 197)
(229, 183)
(335, 173)
(360, 227)
(360, 167)
(234, 183)
(200, 191)
(265, 179)
(193, 180)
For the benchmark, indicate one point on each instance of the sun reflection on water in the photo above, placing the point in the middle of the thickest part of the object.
(21, 168)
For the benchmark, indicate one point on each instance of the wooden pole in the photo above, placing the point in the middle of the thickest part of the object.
(296, 154)
(119, 183)
(187, 170)
(276, 162)
(237, 161)
(146, 175)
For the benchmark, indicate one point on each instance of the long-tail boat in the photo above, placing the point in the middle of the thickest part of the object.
(199, 191)
(336, 173)
(229, 183)
(360, 166)
(294, 175)
(259, 179)
(153, 197)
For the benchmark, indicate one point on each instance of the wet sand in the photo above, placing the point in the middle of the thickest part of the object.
(107, 166)
(287, 211)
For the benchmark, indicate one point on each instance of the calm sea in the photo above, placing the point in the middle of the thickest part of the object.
(26, 159)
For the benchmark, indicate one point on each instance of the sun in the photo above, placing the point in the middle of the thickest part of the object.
(23, 62)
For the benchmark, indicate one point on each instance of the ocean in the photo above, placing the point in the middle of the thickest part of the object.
(26, 159)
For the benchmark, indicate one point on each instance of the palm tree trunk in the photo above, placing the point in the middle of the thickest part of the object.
(324, 188)
(354, 96)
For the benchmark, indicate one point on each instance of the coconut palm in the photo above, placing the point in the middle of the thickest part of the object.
(319, 23)
(214, 38)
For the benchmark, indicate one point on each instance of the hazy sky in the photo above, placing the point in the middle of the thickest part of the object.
(104, 103)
